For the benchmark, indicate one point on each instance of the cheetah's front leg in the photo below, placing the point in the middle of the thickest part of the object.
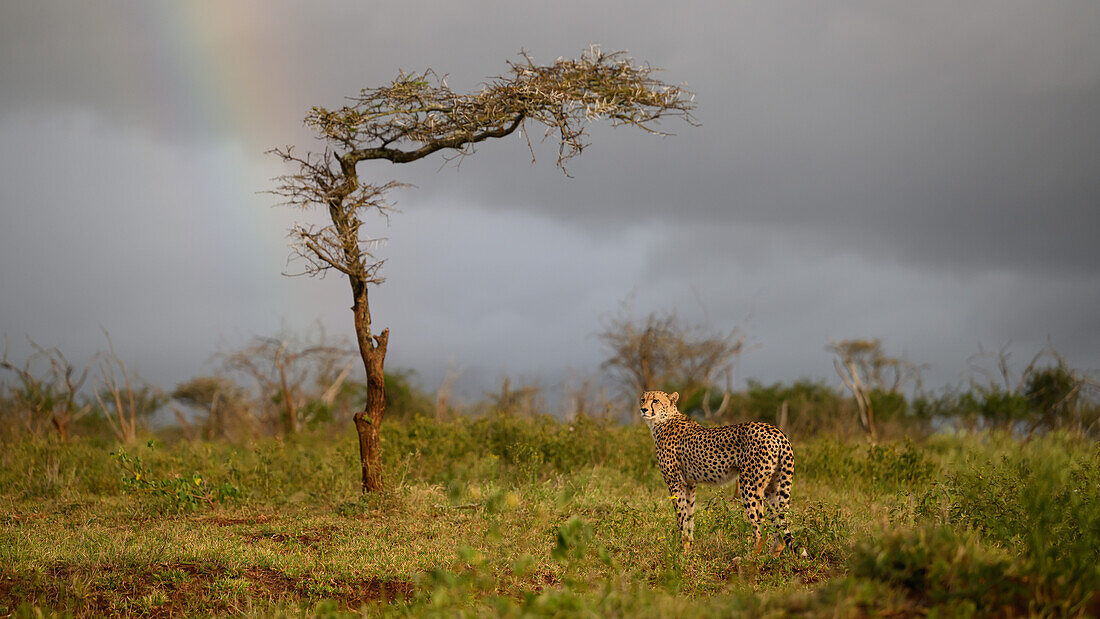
(684, 494)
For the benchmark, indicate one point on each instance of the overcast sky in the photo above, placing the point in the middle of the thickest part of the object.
(923, 172)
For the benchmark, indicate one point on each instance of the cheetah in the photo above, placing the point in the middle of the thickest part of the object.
(756, 455)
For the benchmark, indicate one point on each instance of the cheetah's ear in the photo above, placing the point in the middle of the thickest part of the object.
(672, 399)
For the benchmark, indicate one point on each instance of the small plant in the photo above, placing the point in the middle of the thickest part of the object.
(181, 493)
(572, 539)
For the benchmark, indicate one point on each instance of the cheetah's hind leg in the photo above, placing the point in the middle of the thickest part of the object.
(752, 499)
(778, 495)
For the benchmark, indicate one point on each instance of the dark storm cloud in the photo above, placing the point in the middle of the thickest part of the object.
(925, 172)
(954, 143)
(957, 137)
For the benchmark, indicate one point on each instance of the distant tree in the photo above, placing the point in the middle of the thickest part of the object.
(870, 374)
(123, 400)
(660, 351)
(1047, 393)
(227, 407)
(289, 370)
(878, 370)
(416, 116)
(46, 393)
(814, 405)
(511, 399)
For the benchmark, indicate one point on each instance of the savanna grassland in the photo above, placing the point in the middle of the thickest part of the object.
(509, 515)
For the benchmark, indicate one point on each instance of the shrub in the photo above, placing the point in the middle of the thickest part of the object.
(944, 568)
(178, 492)
(1041, 502)
(894, 468)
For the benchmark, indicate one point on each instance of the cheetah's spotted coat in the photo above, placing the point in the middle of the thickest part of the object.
(757, 455)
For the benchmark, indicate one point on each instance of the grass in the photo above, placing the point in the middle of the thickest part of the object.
(512, 516)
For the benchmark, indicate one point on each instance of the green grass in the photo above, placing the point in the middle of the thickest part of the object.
(515, 516)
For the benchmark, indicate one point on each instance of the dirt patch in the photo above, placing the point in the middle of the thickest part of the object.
(541, 580)
(228, 522)
(313, 538)
(174, 589)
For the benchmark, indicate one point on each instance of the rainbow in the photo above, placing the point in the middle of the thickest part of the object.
(207, 65)
(209, 68)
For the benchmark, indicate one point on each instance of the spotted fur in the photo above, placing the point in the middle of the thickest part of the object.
(757, 455)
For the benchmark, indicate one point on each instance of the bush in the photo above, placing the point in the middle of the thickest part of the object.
(176, 492)
(1041, 502)
(884, 467)
(403, 400)
(888, 405)
(893, 468)
(942, 567)
(532, 447)
(810, 403)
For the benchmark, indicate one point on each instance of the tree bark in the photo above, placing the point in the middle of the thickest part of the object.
(368, 423)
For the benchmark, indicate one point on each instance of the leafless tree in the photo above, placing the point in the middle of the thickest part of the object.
(1002, 375)
(443, 393)
(48, 393)
(661, 351)
(711, 414)
(585, 397)
(418, 115)
(284, 367)
(849, 373)
(878, 370)
(123, 404)
(864, 367)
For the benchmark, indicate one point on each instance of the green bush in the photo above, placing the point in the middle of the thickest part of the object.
(888, 405)
(810, 403)
(532, 447)
(825, 460)
(824, 530)
(176, 492)
(897, 468)
(884, 468)
(403, 400)
(1040, 500)
(944, 568)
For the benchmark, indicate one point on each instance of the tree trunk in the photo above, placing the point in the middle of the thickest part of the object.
(368, 423)
(290, 423)
(62, 425)
(850, 375)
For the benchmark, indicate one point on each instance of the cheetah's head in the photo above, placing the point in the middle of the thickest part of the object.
(658, 406)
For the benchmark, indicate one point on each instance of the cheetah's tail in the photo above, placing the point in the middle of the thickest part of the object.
(788, 539)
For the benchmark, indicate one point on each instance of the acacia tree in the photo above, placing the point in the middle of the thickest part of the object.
(418, 115)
